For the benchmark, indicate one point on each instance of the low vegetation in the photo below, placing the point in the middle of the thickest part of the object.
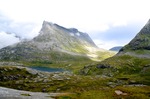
(75, 86)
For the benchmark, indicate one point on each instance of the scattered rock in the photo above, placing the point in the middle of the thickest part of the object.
(10, 64)
(119, 92)
(45, 80)
(111, 84)
(7, 93)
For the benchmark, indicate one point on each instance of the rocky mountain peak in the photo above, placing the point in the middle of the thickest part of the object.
(47, 23)
(146, 28)
(51, 32)
(49, 26)
(53, 38)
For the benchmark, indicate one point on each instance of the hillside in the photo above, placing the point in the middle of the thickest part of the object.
(55, 44)
(131, 65)
(140, 45)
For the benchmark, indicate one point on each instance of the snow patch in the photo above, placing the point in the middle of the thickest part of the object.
(78, 34)
(72, 34)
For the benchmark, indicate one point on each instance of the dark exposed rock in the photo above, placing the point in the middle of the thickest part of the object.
(102, 66)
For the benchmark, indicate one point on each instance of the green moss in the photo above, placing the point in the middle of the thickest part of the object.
(25, 94)
(93, 94)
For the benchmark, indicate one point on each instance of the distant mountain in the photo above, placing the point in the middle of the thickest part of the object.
(54, 43)
(116, 48)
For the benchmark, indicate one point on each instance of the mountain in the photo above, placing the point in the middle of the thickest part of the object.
(60, 38)
(116, 48)
(140, 45)
(123, 76)
(54, 43)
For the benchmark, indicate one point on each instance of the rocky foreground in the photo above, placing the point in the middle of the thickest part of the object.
(7, 93)
(18, 76)
(66, 85)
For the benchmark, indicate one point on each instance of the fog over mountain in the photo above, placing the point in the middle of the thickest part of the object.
(12, 32)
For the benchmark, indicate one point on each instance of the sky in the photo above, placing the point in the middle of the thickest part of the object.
(108, 22)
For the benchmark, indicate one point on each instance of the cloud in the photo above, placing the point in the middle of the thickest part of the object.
(119, 23)
(7, 39)
(107, 44)
(116, 36)
(102, 19)
(85, 15)
(25, 30)
(9, 29)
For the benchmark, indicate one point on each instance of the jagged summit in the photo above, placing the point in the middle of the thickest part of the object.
(46, 22)
(53, 32)
(141, 42)
(54, 25)
(49, 25)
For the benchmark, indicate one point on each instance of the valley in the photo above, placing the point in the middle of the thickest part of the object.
(83, 71)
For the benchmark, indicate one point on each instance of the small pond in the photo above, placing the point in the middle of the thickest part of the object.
(47, 69)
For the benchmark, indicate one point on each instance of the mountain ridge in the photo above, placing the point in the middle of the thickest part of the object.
(140, 42)
(54, 43)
